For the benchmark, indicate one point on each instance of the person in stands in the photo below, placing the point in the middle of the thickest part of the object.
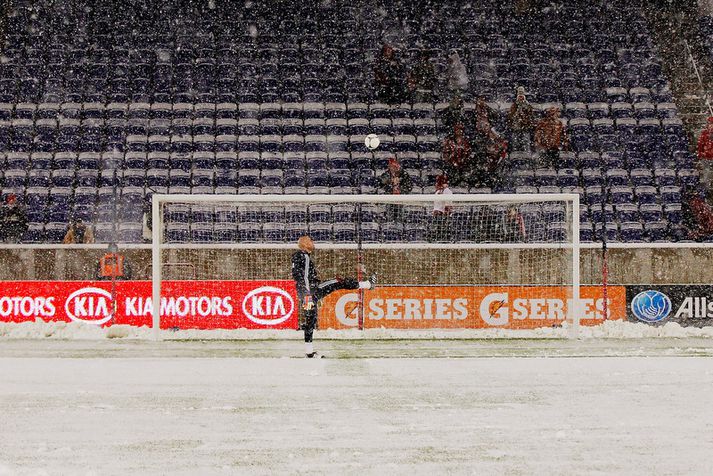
(13, 220)
(422, 78)
(442, 208)
(705, 158)
(482, 116)
(456, 73)
(513, 226)
(113, 265)
(496, 152)
(521, 121)
(489, 151)
(456, 154)
(78, 233)
(697, 215)
(389, 76)
(452, 114)
(550, 138)
(396, 181)
(441, 212)
(147, 221)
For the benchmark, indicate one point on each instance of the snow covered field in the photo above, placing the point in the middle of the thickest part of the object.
(120, 406)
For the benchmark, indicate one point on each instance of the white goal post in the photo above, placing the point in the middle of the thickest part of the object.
(524, 241)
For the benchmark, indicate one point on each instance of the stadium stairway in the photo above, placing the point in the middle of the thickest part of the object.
(670, 32)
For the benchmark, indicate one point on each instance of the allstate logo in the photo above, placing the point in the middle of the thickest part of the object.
(651, 306)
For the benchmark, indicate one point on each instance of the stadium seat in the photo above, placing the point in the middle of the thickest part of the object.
(656, 231)
(631, 232)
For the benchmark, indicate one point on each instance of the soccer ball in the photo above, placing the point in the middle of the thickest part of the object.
(372, 141)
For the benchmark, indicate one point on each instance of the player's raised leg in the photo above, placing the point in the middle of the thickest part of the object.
(310, 290)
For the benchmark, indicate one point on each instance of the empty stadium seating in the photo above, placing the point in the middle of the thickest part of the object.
(248, 99)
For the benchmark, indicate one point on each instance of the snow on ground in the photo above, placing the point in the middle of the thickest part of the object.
(625, 399)
(608, 329)
(149, 412)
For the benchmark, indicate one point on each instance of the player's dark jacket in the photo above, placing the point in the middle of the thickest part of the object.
(304, 273)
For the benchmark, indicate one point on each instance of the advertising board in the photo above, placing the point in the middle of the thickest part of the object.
(274, 305)
(469, 307)
(184, 304)
(688, 305)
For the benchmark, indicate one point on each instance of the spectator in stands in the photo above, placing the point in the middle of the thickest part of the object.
(523, 7)
(489, 150)
(113, 265)
(13, 220)
(482, 114)
(456, 73)
(395, 181)
(453, 114)
(78, 233)
(513, 226)
(389, 76)
(496, 151)
(705, 158)
(550, 137)
(147, 221)
(457, 154)
(441, 211)
(697, 215)
(442, 208)
(521, 121)
(422, 78)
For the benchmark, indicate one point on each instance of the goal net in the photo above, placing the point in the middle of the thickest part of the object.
(454, 261)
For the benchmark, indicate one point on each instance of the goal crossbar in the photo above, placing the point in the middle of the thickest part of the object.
(317, 198)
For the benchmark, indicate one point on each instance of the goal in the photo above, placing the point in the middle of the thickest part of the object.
(460, 261)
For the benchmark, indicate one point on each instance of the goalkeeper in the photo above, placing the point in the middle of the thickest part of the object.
(310, 290)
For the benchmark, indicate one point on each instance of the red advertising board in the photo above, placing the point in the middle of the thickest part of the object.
(184, 304)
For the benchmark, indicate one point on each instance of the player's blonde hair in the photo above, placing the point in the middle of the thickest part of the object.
(305, 243)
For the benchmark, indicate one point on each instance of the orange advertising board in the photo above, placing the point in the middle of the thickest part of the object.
(468, 307)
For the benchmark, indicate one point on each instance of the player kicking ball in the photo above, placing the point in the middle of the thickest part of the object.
(311, 291)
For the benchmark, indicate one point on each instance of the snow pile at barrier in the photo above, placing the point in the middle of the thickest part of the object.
(607, 330)
(69, 330)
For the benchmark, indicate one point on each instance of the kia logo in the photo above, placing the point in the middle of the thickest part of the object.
(268, 305)
(89, 305)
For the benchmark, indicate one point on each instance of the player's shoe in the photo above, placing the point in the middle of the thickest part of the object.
(314, 355)
(372, 280)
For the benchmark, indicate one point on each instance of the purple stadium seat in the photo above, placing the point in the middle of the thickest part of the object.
(621, 194)
(617, 177)
(592, 177)
(651, 212)
(130, 232)
(656, 231)
(672, 212)
(646, 194)
(627, 212)
(631, 232)
(670, 194)
(320, 231)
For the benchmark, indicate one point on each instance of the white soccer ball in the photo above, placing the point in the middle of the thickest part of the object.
(372, 141)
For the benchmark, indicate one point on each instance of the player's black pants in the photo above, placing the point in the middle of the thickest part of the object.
(323, 289)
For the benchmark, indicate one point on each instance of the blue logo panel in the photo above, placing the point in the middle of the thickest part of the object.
(651, 306)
